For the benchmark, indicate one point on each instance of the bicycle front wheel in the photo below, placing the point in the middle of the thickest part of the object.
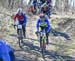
(42, 46)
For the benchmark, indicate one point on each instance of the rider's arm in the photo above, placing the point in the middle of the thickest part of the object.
(25, 19)
(15, 17)
(37, 25)
(49, 27)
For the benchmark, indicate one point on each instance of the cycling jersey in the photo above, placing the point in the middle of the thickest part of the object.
(47, 28)
(21, 18)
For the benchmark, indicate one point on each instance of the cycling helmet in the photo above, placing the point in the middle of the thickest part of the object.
(19, 10)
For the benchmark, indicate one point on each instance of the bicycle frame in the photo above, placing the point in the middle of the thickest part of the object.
(43, 38)
(19, 27)
(20, 33)
(42, 41)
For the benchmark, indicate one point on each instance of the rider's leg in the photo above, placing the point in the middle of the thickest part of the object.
(47, 41)
(49, 13)
(40, 42)
(17, 31)
(44, 45)
(24, 31)
(35, 9)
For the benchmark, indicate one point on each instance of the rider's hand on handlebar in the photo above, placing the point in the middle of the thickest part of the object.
(37, 32)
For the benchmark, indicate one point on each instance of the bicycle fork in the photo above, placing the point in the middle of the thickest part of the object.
(43, 47)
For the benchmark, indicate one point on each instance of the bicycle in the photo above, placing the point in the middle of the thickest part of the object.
(20, 33)
(42, 39)
(43, 42)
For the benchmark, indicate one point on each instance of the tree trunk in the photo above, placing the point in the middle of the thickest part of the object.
(12, 4)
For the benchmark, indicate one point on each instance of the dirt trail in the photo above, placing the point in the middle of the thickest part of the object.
(53, 51)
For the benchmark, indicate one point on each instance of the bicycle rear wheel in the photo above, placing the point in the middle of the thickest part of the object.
(21, 44)
(20, 37)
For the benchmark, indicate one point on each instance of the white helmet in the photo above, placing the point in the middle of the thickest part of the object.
(19, 10)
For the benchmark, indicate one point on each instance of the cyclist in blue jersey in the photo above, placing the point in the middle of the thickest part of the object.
(41, 21)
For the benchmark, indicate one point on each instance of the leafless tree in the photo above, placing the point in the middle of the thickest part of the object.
(61, 6)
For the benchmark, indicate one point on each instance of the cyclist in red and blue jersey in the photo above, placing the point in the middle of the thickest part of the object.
(21, 18)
